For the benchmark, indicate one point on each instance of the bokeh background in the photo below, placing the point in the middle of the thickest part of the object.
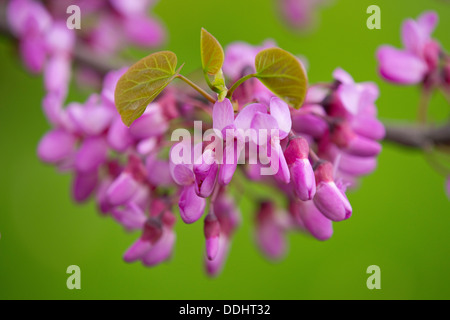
(401, 219)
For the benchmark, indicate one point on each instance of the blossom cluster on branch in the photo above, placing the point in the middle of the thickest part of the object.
(425, 63)
(130, 146)
(47, 45)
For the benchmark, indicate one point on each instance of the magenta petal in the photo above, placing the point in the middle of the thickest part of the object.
(223, 114)
(60, 40)
(131, 217)
(33, 53)
(102, 200)
(56, 146)
(151, 123)
(314, 221)
(137, 250)
(349, 95)
(212, 247)
(214, 267)
(182, 175)
(343, 76)
(363, 147)
(280, 111)
(262, 121)
(109, 86)
(427, 21)
(122, 189)
(245, 116)
(96, 119)
(144, 31)
(211, 230)
(57, 74)
(83, 185)
(283, 173)
(191, 205)
(369, 127)
(91, 155)
(354, 165)
(413, 37)
(159, 172)
(332, 202)
(119, 137)
(303, 179)
(271, 241)
(161, 250)
(205, 182)
(130, 7)
(400, 66)
(309, 124)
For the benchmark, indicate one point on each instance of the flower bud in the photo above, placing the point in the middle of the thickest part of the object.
(314, 221)
(211, 230)
(269, 232)
(122, 189)
(329, 199)
(151, 234)
(345, 138)
(191, 205)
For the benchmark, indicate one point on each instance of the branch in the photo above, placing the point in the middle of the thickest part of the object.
(82, 54)
(418, 136)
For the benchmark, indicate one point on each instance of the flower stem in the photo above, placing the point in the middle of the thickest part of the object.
(197, 88)
(423, 106)
(238, 83)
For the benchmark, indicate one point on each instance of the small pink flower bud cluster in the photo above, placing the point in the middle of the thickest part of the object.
(422, 60)
(47, 45)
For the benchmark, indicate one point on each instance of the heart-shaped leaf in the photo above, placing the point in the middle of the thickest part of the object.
(283, 74)
(142, 83)
(211, 52)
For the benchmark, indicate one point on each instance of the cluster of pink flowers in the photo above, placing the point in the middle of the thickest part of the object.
(135, 177)
(47, 45)
(421, 62)
(300, 14)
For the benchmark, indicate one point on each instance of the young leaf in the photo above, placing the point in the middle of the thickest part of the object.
(142, 83)
(283, 74)
(211, 52)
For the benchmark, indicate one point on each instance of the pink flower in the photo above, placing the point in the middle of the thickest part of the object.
(419, 57)
(329, 199)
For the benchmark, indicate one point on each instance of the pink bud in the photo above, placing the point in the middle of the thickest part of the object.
(345, 138)
(329, 199)
(122, 189)
(211, 230)
(191, 205)
(314, 221)
(269, 233)
(56, 146)
(298, 148)
(303, 179)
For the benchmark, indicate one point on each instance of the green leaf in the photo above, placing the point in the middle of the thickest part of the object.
(142, 83)
(211, 52)
(283, 74)
(218, 85)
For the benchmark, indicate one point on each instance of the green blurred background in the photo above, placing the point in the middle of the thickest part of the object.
(401, 217)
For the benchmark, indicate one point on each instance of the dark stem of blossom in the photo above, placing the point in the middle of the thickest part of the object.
(424, 102)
